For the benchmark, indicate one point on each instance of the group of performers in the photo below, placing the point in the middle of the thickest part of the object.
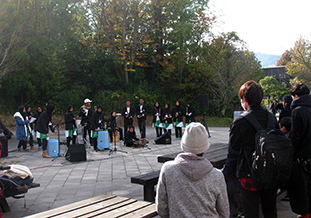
(94, 121)
(165, 118)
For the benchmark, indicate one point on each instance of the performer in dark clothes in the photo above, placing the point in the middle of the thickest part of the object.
(112, 126)
(157, 112)
(86, 114)
(37, 115)
(130, 137)
(141, 113)
(70, 126)
(167, 118)
(190, 113)
(98, 122)
(28, 117)
(178, 112)
(128, 114)
(44, 122)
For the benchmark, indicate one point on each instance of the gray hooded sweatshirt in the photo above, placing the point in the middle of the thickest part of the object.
(189, 186)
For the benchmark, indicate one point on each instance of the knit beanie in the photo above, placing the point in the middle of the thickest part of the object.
(195, 139)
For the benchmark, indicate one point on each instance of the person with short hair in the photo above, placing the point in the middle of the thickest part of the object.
(285, 126)
(242, 139)
(37, 115)
(128, 114)
(30, 126)
(98, 122)
(299, 190)
(189, 186)
(113, 127)
(141, 114)
(287, 111)
(86, 114)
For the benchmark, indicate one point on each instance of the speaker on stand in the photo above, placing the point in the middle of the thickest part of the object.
(203, 101)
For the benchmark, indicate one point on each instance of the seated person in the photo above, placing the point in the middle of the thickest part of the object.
(285, 125)
(130, 138)
(112, 126)
(189, 186)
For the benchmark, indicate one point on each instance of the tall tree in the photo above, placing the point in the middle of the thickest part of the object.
(300, 64)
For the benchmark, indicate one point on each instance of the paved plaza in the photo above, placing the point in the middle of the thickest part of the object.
(63, 182)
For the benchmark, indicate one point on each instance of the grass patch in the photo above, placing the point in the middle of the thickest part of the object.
(218, 121)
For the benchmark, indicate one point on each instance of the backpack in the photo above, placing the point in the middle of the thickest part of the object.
(273, 155)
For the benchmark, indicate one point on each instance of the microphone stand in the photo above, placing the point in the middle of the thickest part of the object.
(115, 143)
(59, 143)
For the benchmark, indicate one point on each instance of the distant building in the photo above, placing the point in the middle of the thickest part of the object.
(279, 73)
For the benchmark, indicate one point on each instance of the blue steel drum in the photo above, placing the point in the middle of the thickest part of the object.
(53, 149)
(103, 139)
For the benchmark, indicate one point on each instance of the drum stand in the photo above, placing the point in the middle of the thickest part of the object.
(114, 150)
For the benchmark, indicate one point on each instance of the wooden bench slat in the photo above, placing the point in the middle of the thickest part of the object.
(73, 206)
(127, 209)
(146, 212)
(101, 208)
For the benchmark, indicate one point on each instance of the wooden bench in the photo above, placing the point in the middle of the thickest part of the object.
(13, 192)
(103, 206)
(217, 154)
(148, 180)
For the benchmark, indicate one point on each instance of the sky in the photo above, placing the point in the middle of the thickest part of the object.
(267, 26)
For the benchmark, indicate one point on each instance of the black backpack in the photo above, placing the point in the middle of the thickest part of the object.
(272, 158)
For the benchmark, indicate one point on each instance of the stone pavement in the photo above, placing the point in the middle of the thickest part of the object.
(63, 182)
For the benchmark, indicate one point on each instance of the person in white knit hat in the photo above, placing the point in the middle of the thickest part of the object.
(190, 186)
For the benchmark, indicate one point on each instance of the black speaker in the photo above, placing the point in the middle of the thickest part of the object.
(203, 99)
(76, 153)
(164, 139)
(4, 142)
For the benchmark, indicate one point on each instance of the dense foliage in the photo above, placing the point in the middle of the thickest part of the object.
(113, 50)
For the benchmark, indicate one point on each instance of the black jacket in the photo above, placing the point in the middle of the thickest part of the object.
(286, 112)
(131, 114)
(191, 111)
(85, 118)
(112, 122)
(129, 137)
(44, 120)
(168, 114)
(156, 110)
(242, 137)
(301, 127)
(69, 121)
(141, 114)
(98, 120)
(37, 115)
(179, 111)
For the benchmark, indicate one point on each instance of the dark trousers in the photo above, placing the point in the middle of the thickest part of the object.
(94, 143)
(39, 142)
(69, 139)
(22, 143)
(252, 199)
(87, 130)
(44, 144)
(178, 132)
(159, 131)
(169, 130)
(127, 124)
(120, 133)
(31, 140)
(142, 127)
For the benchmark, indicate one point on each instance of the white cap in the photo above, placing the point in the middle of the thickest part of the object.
(195, 139)
(87, 100)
